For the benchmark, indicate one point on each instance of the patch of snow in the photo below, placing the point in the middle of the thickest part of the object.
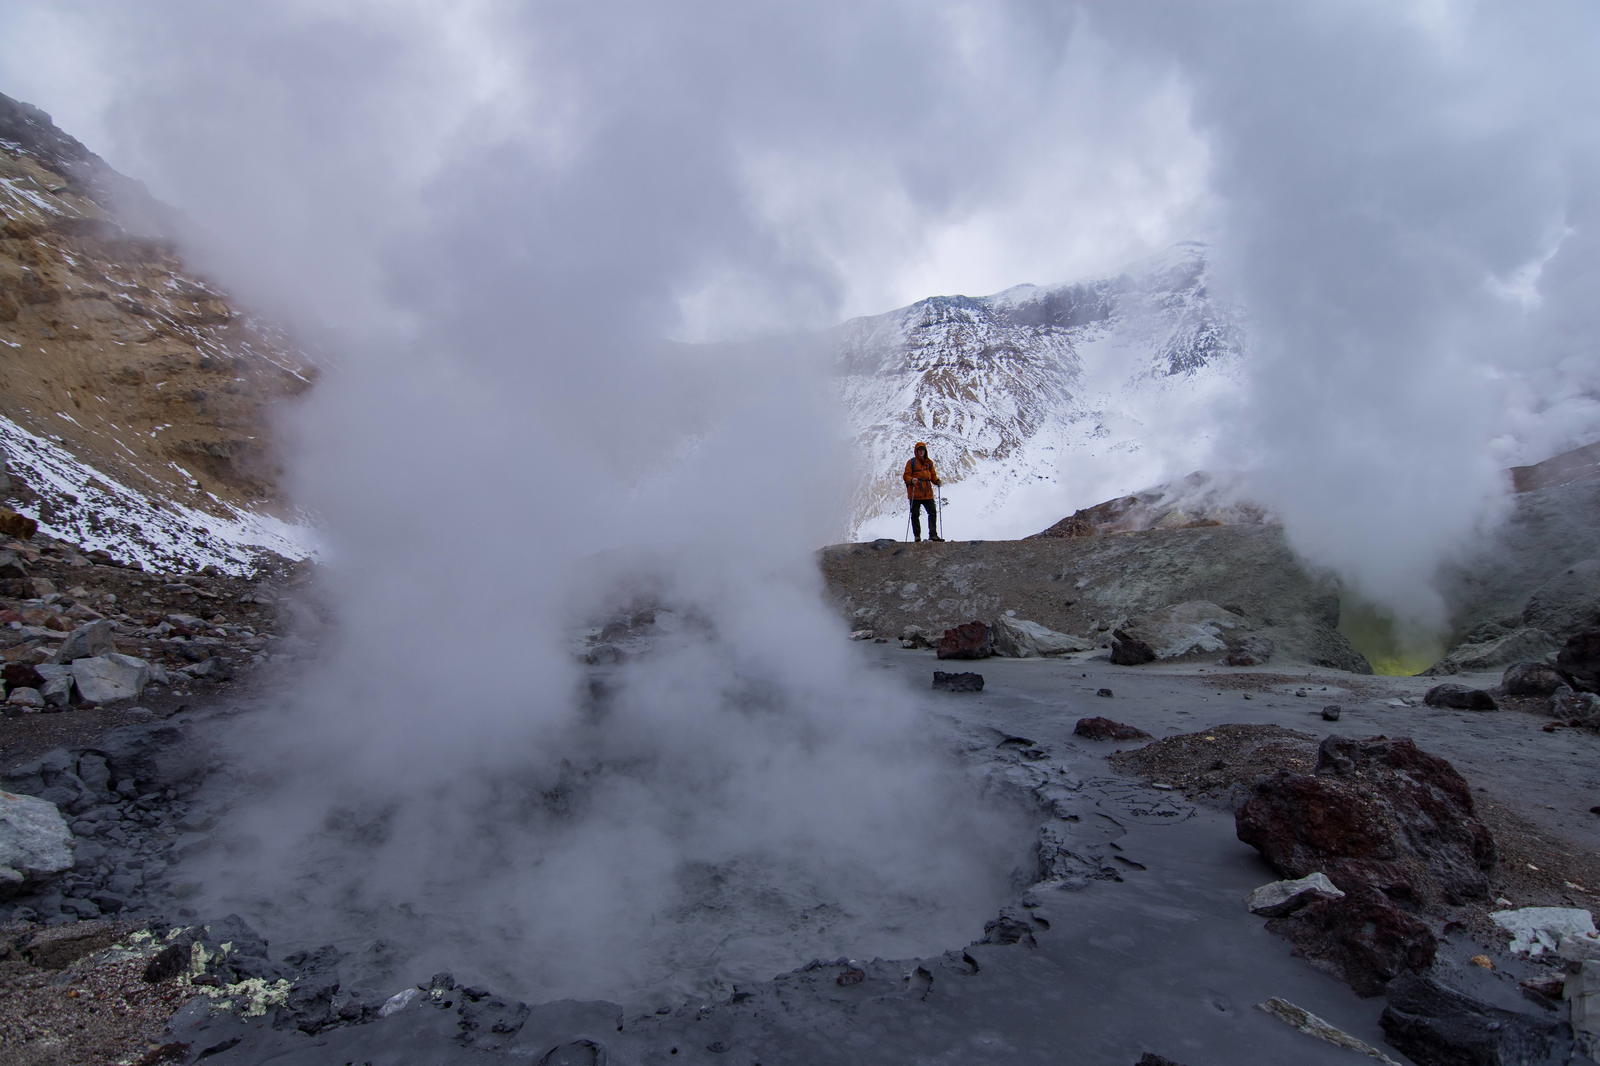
(95, 510)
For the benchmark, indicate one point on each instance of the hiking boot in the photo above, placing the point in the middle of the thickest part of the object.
(916, 540)
(932, 536)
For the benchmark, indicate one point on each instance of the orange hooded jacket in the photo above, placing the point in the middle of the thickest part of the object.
(920, 478)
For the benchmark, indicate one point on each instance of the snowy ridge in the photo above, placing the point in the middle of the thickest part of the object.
(92, 509)
(1037, 400)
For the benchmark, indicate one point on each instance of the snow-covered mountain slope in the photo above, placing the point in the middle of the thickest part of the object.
(136, 400)
(1036, 401)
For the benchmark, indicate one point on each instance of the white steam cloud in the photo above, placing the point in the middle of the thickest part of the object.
(1404, 202)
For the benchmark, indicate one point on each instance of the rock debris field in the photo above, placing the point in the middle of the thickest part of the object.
(1432, 866)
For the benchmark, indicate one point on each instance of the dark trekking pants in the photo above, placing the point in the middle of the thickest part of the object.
(916, 519)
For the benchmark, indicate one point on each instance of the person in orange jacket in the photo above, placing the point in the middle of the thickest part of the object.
(920, 478)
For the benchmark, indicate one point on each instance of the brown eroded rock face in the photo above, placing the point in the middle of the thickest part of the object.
(112, 345)
(1375, 813)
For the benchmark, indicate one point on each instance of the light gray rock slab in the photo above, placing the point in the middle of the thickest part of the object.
(1536, 930)
(35, 843)
(87, 641)
(1303, 1020)
(102, 678)
(1022, 639)
(1284, 897)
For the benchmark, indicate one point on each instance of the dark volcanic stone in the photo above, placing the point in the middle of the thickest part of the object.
(1106, 729)
(969, 641)
(21, 675)
(1378, 812)
(1531, 679)
(1460, 698)
(966, 682)
(1437, 1026)
(1332, 712)
(1150, 1058)
(1580, 660)
(1129, 650)
(1361, 937)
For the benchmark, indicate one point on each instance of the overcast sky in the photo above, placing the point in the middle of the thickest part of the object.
(958, 151)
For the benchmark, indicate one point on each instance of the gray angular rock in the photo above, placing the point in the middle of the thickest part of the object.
(103, 678)
(25, 697)
(1285, 897)
(1521, 645)
(1580, 708)
(35, 843)
(1022, 639)
(86, 642)
(57, 692)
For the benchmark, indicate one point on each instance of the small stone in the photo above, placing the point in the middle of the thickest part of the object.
(1105, 693)
(1331, 712)
(861, 634)
(963, 682)
(28, 698)
(1460, 698)
(1482, 960)
(1099, 728)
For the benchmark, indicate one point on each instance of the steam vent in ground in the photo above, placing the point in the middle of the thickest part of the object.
(408, 656)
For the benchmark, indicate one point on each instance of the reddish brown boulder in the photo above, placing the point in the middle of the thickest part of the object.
(1361, 937)
(1106, 729)
(970, 641)
(1375, 813)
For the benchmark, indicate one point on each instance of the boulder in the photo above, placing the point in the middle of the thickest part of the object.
(15, 525)
(1128, 649)
(1434, 1025)
(914, 637)
(1380, 813)
(35, 843)
(1360, 937)
(969, 641)
(966, 682)
(1460, 698)
(103, 678)
(1020, 639)
(1173, 632)
(1249, 650)
(57, 692)
(1578, 708)
(1519, 645)
(1536, 930)
(1106, 729)
(1531, 679)
(21, 675)
(11, 567)
(85, 642)
(1582, 993)
(1568, 602)
(1285, 897)
(22, 696)
(1579, 659)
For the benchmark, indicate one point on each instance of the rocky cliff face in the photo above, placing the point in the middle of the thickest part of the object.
(136, 399)
(1014, 391)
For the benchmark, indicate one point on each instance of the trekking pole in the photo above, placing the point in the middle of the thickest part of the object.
(943, 529)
